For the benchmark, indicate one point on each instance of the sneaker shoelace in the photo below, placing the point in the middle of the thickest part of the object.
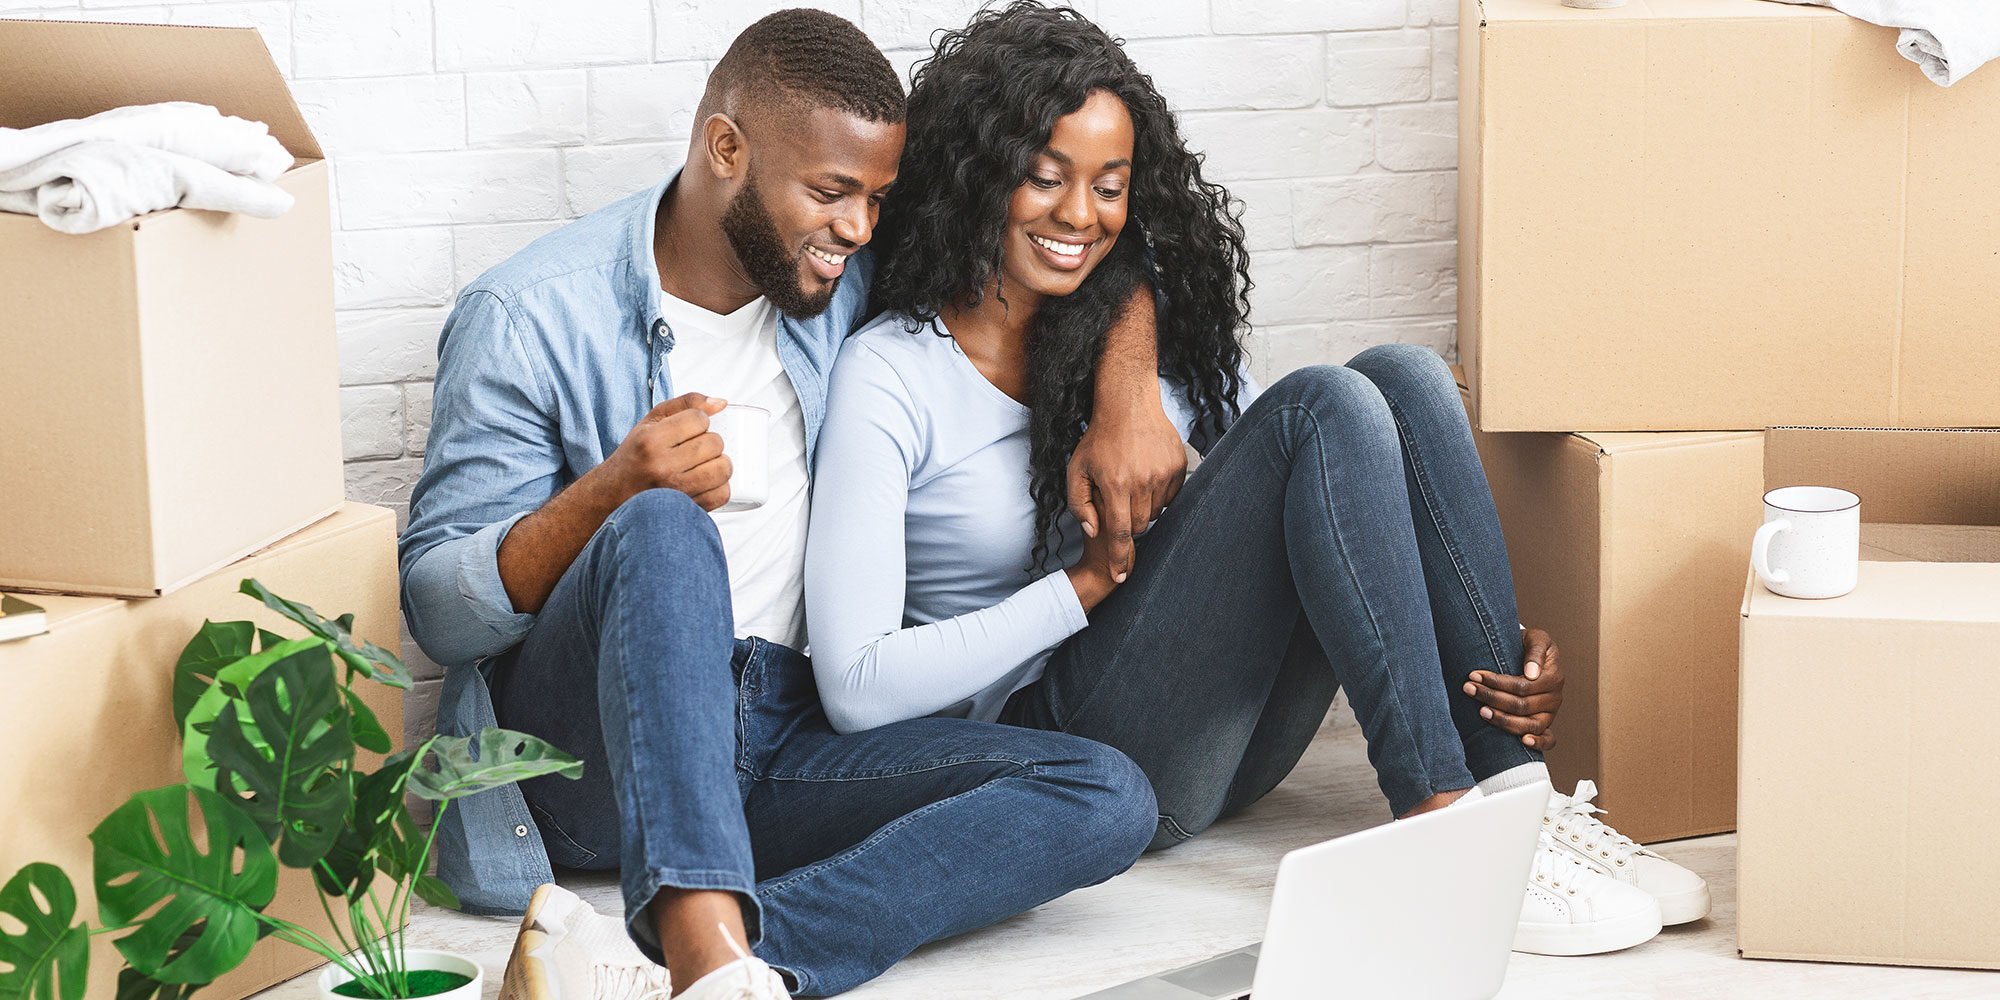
(1560, 871)
(1574, 821)
(753, 986)
(631, 982)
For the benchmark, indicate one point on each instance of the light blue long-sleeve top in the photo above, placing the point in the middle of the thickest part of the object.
(920, 599)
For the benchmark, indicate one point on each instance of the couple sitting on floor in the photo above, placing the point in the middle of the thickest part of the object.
(977, 400)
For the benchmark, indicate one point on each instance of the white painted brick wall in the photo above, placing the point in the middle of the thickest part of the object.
(460, 130)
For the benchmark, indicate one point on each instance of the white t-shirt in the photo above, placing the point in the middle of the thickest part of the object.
(735, 357)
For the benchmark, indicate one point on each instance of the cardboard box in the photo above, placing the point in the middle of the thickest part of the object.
(89, 719)
(1721, 214)
(169, 388)
(1871, 722)
(1628, 549)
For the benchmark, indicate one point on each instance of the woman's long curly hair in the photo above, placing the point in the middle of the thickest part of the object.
(981, 109)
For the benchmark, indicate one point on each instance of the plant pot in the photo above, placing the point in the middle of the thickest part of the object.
(417, 958)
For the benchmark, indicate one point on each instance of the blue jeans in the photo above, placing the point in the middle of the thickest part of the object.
(1341, 534)
(710, 765)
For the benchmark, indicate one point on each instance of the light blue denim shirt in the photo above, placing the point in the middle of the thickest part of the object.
(545, 364)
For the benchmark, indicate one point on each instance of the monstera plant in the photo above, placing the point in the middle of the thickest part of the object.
(271, 727)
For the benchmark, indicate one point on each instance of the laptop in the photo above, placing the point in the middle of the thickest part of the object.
(1424, 907)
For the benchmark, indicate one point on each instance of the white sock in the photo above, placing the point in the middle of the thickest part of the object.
(1515, 777)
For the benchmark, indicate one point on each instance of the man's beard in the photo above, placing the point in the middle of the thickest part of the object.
(772, 267)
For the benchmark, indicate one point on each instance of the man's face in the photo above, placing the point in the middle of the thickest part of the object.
(809, 197)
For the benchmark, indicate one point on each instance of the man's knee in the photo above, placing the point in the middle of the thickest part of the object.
(1115, 813)
(665, 527)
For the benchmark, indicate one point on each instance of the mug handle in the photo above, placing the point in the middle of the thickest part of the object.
(1760, 553)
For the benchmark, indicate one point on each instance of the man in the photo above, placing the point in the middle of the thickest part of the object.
(567, 557)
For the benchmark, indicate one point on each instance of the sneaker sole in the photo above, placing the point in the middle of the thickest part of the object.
(1594, 938)
(1684, 908)
(527, 976)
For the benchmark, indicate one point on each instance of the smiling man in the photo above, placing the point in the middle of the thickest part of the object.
(570, 560)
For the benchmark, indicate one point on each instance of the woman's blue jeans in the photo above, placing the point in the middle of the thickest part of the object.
(1341, 534)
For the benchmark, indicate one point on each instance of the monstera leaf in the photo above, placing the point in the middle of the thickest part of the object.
(296, 793)
(50, 958)
(368, 731)
(216, 646)
(374, 839)
(230, 684)
(360, 655)
(200, 901)
(136, 985)
(450, 770)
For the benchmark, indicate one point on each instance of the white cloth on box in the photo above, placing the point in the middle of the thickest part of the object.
(1946, 38)
(85, 174)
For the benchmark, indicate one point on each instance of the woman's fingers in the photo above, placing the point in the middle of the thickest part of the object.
(1513, 704)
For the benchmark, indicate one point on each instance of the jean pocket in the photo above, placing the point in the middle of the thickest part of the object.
(563, 848)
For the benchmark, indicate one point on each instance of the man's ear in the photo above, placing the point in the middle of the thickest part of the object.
(723, 147)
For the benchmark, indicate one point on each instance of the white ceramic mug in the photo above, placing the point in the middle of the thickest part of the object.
(746, 439)
(1810, 543)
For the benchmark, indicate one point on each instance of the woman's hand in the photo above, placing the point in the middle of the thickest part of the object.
(1525, 706)
(1094, 575)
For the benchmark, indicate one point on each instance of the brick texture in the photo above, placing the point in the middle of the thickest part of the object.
(460, 130)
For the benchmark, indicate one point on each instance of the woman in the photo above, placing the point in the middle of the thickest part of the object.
(1337, 532)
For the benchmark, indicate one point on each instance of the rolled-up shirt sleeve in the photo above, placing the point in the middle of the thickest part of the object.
(493, 457)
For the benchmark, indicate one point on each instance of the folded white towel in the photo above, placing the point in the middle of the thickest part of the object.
(93, 185)
(85, 174)
(1947, 38)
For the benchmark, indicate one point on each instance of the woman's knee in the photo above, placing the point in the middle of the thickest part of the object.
(1340, 398)
(1406, 373)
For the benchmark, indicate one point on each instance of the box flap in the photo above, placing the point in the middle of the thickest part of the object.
(59, 70)
(1902, 476)
(1650, 10)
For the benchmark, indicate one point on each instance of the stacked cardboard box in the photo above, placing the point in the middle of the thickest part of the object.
(1681, 223)
(169, 425)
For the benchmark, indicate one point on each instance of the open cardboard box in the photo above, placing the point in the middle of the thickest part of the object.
(169, 387)
(89, 712)
(1871, 722)
(1721, 215)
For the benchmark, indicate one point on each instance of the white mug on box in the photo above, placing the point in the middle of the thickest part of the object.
(1810, 544)
(746, 440)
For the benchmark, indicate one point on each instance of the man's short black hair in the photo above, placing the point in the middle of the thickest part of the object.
(799, 59)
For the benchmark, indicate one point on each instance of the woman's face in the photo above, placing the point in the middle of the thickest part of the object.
(1066, 215)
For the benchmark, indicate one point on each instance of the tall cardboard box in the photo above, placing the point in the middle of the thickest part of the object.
(169, 387)
(1628, 549)
(1721, 215)
(89, 719)
(1868, 805)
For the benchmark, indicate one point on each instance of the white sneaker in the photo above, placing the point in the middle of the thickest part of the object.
(1571, 909)
(1683, 895)
(568, 951)
(747, 978)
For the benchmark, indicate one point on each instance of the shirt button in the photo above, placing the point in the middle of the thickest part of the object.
(521, 830)
(659, 327)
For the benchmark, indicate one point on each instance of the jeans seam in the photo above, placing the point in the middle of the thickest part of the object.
(1063, 719)
(1347, 565)
(1424, 488)
(872, 774)
(637, 791)
(776, 887)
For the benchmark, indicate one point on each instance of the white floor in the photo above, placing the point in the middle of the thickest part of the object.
(1208, 896)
